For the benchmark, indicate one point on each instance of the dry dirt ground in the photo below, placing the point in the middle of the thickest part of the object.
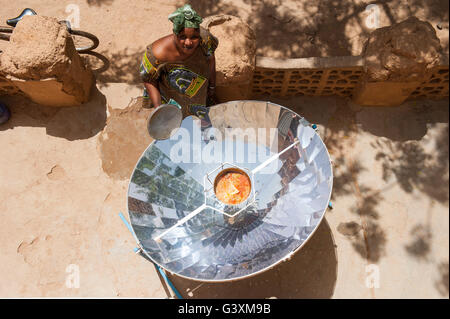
(64, 172)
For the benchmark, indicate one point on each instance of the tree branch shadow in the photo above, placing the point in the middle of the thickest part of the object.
(416, 168)
(99, 3)
(123, 67)
(371, 244)
(420, 247)
(442, 285)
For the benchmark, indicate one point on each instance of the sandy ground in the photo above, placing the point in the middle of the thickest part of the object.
(64, 172)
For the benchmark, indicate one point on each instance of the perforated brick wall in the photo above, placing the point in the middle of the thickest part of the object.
(300, 82)
(436, 87)
(310, 76)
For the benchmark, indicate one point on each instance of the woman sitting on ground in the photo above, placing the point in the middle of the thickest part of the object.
(180, 68)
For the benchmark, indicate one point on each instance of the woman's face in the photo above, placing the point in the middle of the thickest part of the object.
(188, 40)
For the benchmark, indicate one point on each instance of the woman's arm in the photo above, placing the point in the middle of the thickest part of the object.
(153, 92)
(151, 62)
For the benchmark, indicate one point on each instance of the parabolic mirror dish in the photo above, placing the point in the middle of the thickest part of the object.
(182, 226)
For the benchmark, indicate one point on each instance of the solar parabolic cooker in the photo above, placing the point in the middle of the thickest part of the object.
(181, 225)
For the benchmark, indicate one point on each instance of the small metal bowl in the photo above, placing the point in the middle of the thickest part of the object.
(163, 120)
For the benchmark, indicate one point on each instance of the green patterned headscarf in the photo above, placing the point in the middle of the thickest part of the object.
(185, 17)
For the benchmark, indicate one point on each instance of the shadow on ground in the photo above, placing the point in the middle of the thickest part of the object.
(123, 67)
(71, 123)
(443, 282)
(402, 156)
(96, 61)
(99, 3)
(311, 273)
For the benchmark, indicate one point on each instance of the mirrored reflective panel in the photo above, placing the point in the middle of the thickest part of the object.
(183, 227)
